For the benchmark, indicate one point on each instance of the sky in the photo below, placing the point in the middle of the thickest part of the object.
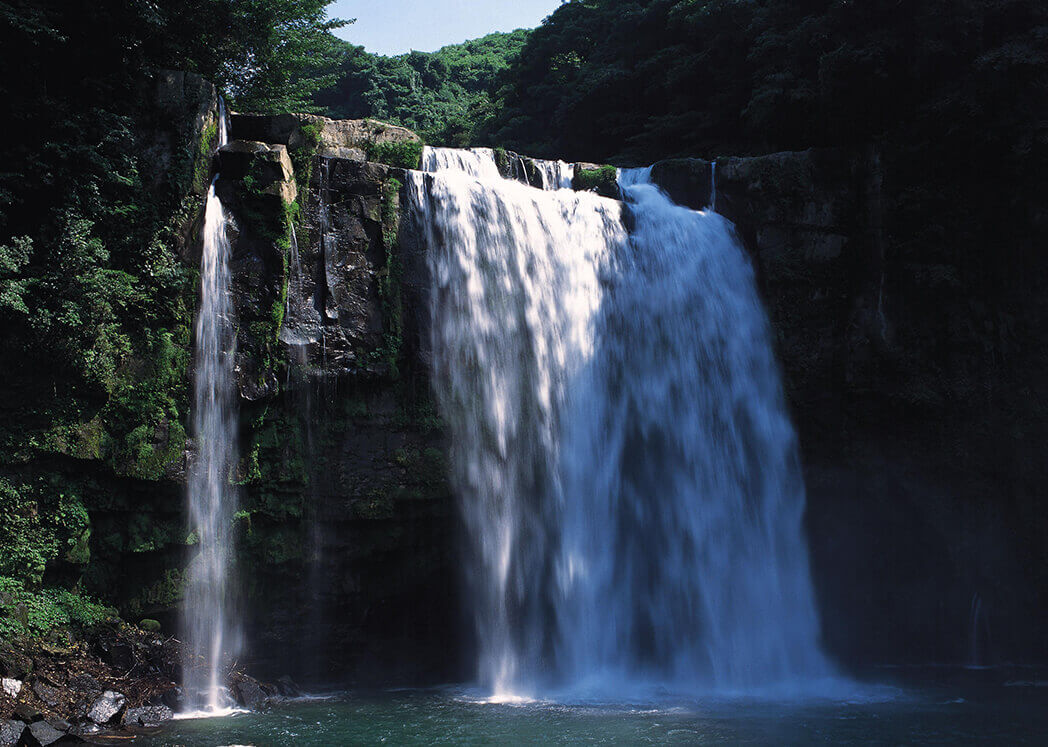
(397, 26)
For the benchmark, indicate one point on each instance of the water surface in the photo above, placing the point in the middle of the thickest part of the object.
(972, 713)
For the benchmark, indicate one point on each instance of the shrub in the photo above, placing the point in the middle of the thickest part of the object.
(405, 154)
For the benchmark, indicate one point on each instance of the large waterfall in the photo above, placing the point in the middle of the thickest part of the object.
(206, 630)
(628, 473)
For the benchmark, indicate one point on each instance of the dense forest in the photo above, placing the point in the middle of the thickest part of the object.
(954, 94)
(447, 96)
(96, 304)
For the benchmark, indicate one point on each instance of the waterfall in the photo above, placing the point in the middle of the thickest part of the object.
(713, 186)
(555, 174)
(627, 471)
(211, 497)
(978, 635)
(516, 291)
(682, 556)
(477, 162)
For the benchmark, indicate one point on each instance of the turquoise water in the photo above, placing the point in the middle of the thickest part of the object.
(997, 714)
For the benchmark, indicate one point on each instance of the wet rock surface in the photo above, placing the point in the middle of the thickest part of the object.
(106, 707)
(10, 732)
(148, 716)
(43, 734)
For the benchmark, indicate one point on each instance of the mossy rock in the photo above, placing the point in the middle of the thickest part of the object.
(148, 625)
(600, 179)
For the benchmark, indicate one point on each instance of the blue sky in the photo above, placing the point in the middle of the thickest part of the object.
(398, 26)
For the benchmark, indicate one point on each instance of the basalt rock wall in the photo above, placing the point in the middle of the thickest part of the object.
(347, 528)
(918, 440)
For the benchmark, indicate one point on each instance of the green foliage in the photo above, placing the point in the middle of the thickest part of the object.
(389, 280)
(445, 96)
(202, 166)
(600, 180)
(38, 613)
(405, 154)
(164, 593)
(41, 521)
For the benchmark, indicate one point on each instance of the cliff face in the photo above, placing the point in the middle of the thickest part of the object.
(918, 439)
(347, 524)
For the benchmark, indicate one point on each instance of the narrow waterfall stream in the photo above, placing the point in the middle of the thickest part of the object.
(207, 631)
(628, 474)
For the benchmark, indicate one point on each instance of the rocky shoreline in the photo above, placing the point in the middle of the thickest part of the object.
(117, 682)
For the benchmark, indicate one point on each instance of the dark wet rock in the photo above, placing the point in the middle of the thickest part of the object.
(26, 712)
(687, 181)
(106, 707)
(269, 167)
(335, 313)
(14, 663)
(42, 734)
(150, 626)
(173, 698)
(287, 687)
(119, 654)
(10, 732)
(49, 695)
(250, 694)
(148, 716)
(84, 683)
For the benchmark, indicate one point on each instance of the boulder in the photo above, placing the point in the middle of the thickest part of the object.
(250, 694)
(84, 683)
(14, 663)
(268, 166)
(42, 734)
(687, 181)
(341, 138)
(172, 698)
(150, 626)
(148, 716)
(287, 687)
(593, 178)
(119, 654)
(10, 732)
(47, 694)
(107, 707)
(27, 713)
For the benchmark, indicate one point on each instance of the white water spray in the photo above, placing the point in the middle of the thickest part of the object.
(682, 557)
(555, 174)
(628, 473)
(211, 498)
(516, 289)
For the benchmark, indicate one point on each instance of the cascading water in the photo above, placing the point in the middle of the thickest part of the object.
(211, 498)
(516, 290)
(477, 162)
(682, 556)
(555, 174)
(628, 474)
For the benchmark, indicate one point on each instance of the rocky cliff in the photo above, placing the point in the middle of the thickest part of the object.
(917, 439)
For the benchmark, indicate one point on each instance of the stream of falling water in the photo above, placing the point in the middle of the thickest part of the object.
(208, 634)
(628, 474)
